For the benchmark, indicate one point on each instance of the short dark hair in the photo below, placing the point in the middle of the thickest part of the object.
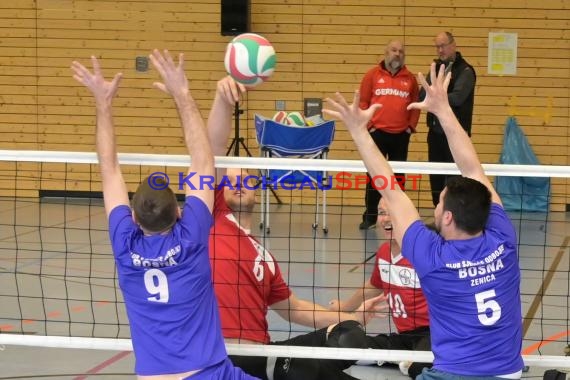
(450, 37)
(155, 210)
(469, 201)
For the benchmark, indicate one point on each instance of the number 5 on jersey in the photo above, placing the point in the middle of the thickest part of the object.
(484, 303)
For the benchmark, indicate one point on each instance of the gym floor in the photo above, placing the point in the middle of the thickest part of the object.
(55, 255)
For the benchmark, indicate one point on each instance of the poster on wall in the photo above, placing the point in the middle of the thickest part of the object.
(502, 56)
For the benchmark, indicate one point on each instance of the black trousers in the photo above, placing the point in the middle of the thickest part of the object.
(297, 368)
(415, 340)
(394, 146)
(438, 151)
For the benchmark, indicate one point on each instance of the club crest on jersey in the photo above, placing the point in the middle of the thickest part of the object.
(405, 276)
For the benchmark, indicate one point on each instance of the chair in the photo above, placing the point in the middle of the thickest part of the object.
(280, 140)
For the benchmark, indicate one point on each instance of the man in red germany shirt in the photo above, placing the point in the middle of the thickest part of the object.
(391, 84)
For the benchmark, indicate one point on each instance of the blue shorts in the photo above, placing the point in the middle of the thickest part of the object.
(224, 370)
(434, 374)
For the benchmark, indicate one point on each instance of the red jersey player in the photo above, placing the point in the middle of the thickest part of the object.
(395, 277)
(248, 281)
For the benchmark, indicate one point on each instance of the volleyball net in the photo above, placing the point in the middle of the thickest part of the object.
(58, 283)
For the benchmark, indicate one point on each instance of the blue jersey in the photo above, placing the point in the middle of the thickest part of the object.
(473, 292)
(167, 286)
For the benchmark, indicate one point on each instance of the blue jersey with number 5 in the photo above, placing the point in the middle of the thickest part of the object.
(473, 291)
(167, 286)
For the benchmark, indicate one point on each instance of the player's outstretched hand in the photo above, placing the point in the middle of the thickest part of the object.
(375, 307)
(103, 91)
(174, 81)
(353, 117)
(230, 90)
(436, 100)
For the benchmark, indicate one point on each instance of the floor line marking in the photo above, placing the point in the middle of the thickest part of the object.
(553, 338)
(356, 267)
(95, 370)
(52, 314)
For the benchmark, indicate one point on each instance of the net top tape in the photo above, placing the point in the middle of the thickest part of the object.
(261, 350)
(283, 163)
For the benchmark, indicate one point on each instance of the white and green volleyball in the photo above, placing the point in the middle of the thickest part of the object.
(295, 118)
(250, 59)
(280, 117)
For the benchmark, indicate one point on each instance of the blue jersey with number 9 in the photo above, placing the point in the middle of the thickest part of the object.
(473, 291)
(167, 286)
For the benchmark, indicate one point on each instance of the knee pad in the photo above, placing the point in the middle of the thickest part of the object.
(553, 374)
(416, 368)
(296, 368)
(347, 334)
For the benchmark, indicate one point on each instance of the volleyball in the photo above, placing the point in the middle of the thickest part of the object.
(296, 119)
(280, 117)
(250, 59)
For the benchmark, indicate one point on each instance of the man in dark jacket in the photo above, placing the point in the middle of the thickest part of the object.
(461, 94)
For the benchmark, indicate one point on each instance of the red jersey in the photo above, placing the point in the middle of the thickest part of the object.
(247, 279)
(399, 281)
(394, 92)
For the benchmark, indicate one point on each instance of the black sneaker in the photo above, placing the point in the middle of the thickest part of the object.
(366, 225)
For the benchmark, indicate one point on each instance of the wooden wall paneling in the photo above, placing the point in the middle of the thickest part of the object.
(322, 47)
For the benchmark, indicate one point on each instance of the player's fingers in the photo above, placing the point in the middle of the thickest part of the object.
(446, 81)
(79, 79)
(240, 88)
(153, 60)
(441, 73)
(157, 63)
(416, 105)
(76, 68)
(229, 94)
(168, 58)
(333, 103)
(432, 72)
(378, 299)
(96, 66)
(331, 113)
(423, 82)
(235, 90)
(79, 69)
(116, 80)
(356, 98)
(157, 59)
(341, 101)
(374, 107)
(160, 86)
(181, 61)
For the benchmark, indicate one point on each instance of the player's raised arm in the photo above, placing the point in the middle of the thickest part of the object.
(356, 121)
(228, 92)
(114, 188)
(175, 84)
(307, 313)
(462, 149)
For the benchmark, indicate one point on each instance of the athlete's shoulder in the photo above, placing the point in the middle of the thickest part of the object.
(383, 250)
